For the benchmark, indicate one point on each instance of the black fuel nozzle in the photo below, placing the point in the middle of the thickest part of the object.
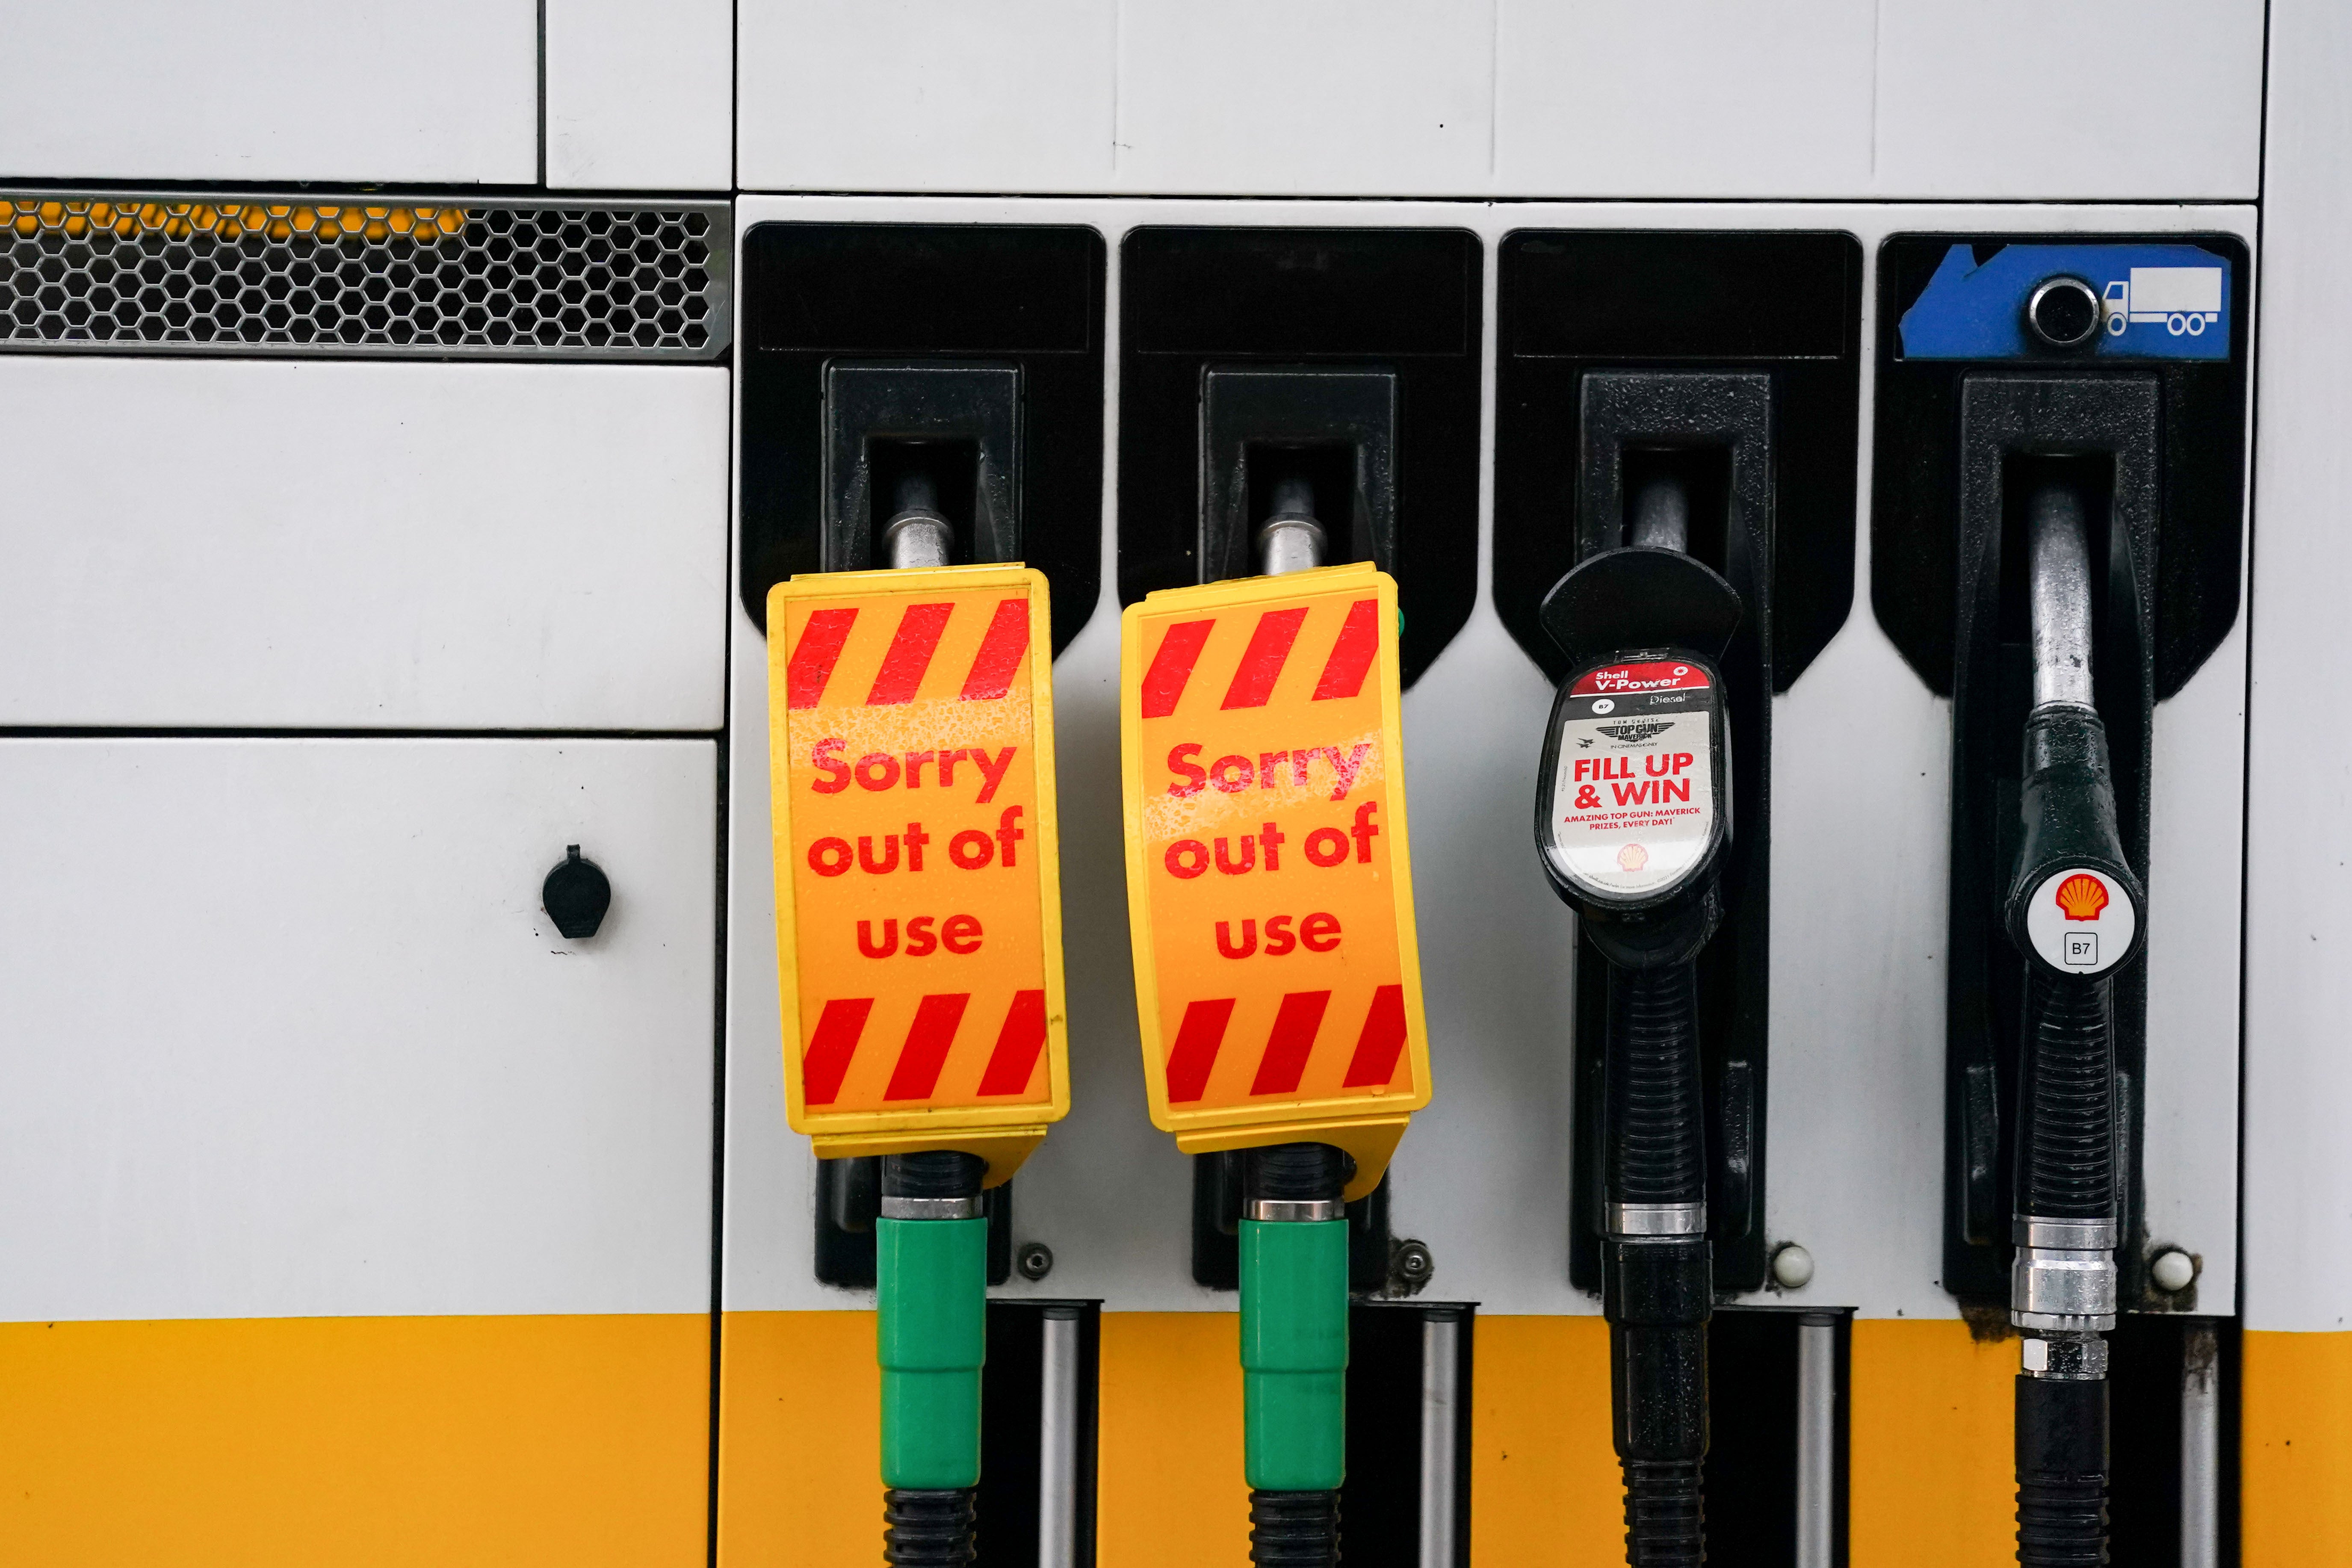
(1633, 819)
(2074, 912)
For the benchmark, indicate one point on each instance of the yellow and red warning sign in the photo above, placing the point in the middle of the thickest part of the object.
(1269, 890)
(918, 891)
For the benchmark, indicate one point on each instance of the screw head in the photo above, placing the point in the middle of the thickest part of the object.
(1034, 1260)
(1411, 1265)
(1792, 1267)
(2173, 1270)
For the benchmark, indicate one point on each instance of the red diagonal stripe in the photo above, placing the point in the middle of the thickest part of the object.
(1262, 661)
(1017, 1044)
(999, 652)
(910, 654)
(837, 1028)
(1351, 655)
(1172, 666)
(1196, 1051)
(813, 661)
(1286, 1048)
(1375, 1060)
(926, 1050)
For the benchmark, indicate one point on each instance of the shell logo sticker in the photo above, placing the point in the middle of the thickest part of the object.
(918, 891)
(2080, 922)
(2081, 897)
(1268, 887)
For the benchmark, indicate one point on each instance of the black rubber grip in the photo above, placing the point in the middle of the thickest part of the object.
(933, 1173)
(1657, 1138)
(1295, 1530)
(2062, 1473)
(2067, 1142)
(1296, 1172)
(926, 1527)
(1665, 1519)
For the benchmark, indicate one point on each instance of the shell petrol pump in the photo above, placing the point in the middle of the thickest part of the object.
(2061, 450)
(1633, 819)
(919, 924)
(1681, 478)
(1286, 391)
(1277, 978)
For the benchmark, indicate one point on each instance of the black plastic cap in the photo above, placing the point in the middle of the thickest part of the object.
(576, 894)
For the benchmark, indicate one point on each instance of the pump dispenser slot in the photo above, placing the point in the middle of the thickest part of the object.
(968, 354)
(1349, 357)
(1335, 429)
(952, 431)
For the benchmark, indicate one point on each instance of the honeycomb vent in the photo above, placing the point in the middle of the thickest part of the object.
(461, 278)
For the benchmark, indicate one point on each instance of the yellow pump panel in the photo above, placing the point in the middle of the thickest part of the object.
(917, 889)
(1269, 886)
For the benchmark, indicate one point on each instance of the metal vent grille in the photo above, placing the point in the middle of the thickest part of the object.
(461, 278)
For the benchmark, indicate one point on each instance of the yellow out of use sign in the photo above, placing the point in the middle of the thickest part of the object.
(1269, 891)
(918, 892)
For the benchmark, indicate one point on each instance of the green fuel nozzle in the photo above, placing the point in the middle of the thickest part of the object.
(930, 1280)
(1294, 1333)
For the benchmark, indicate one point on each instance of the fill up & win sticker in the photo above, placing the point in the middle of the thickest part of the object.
(1632, 801)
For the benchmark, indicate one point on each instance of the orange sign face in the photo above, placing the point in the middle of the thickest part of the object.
(1268, 885)
(918, 892)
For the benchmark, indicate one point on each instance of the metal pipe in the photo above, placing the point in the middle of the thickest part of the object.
(1290, 540)
(2200, 1446)
(1057, 1440)
(917, 535)
(2059, 551)
(1441, 1407)
(1662, 515)
(1816, 1440)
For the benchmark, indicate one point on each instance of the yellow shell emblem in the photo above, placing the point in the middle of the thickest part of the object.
(2082, 895)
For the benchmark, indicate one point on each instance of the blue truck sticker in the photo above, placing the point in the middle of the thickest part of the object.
(2156, 301)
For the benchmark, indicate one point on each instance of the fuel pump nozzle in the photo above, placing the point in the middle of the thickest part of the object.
(1293, 1261)
(1632, 817)
(2073, 912)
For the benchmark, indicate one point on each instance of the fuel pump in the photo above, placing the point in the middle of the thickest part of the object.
(1265, 376)
(921, 411)
(1277, 981)
(1631, 822)
(2058, 531)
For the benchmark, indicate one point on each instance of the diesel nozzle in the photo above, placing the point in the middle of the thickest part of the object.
(1631, 822)
(2073, 913)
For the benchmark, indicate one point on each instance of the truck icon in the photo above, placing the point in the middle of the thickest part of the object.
(2185, 299)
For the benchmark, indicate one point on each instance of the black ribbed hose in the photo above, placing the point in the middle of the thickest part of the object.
(1294, 1529)
(1656, 1291)
(2061, 1472)
(2066, 1133)
(2065, 1170)
(1656, 1140)
(925, 1527)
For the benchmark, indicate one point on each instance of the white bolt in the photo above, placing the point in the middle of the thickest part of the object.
(1792, 1267)
(2172, 1270)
